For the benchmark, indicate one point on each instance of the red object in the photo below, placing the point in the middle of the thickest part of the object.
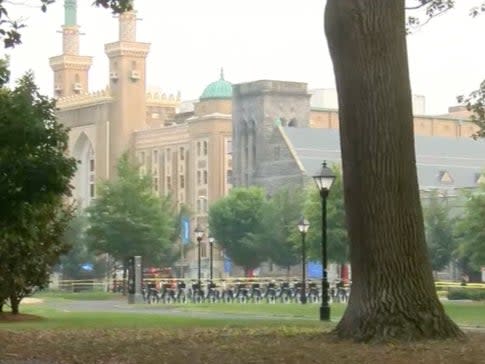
(344, 273)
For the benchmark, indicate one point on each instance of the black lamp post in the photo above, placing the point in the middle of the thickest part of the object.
(211, 261)
(199, 233)
(324, 179)
(303, 226)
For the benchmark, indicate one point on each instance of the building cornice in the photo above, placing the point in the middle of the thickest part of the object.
(155, 98)
(133, 49)
(83, 100)
(70, 61)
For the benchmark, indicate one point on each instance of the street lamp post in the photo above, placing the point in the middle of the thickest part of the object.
(199, 233)
(211, 261)
(303, 226)
(324, 179)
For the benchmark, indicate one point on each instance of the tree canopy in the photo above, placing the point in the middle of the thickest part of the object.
(35, 176)
(439, 232)
(127, 219)
(33, 165)
(236, 222)
(337, 238)
(280, 235)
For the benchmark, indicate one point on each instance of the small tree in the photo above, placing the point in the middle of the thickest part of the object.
(235, 221)
(34, 179)
(280, 217)
(127, 219)
(439, 232)
(471, 231)
(337, 239)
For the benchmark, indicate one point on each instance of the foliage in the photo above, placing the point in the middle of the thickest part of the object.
(439, 232)
(280, 234)
(33, 165)
(127, 219)
(337, 239)
(176, 251)
(79, 253)
(30, 248)
(236, 222)
(429, 9)
(474, 294)
(34, 180)
(471, 230)
(10, 28)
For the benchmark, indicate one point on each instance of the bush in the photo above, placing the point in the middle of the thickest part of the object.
(474, 294)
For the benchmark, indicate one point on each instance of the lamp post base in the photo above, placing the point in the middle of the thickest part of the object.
(324, 313)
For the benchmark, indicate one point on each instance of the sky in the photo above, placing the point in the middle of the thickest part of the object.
(251, 39)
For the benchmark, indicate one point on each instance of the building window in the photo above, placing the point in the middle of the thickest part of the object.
(182, 181)
(91, 165)
(155, 157)
(155, 184)
(205, 177)
(205, 205)
(229, 176)
(92, 190)
(169, 183)
(169, 155)
(199, 178)
(205, 147)
(199, 206)
(228, 146)
(198, 148)
(182, 153)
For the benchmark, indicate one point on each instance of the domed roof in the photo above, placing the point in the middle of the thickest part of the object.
(220, 89)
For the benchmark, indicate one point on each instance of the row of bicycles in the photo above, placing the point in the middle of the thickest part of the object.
(240, 292)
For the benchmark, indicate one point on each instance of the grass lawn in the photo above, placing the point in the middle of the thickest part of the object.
(145, 336)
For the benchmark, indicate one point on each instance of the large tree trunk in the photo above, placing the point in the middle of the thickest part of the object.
(393, 294)
(14, 304)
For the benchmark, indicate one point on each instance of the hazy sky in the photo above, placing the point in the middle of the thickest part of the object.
(252, 39)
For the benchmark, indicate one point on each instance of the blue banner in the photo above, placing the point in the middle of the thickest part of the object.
(227, 265)
(314, 270)
(185, 230)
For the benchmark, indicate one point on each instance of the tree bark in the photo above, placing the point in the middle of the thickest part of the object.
(393, 295)
(14, 304)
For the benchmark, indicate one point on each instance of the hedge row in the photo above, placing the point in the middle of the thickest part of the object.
(466, 294)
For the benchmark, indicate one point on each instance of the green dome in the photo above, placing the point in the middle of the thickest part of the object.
(220, 89)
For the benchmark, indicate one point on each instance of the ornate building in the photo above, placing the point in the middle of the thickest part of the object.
(187, 147)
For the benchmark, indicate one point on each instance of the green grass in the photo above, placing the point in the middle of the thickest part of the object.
(466, 313)
(54, 319)
(193, 315)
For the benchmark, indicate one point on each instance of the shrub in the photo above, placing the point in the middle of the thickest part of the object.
(475, 294)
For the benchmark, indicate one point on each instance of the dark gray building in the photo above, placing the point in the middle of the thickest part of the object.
(274, 147)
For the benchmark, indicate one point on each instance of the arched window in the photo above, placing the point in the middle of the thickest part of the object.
(85, 177)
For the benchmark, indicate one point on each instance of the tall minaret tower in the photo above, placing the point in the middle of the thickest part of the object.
(70, 69)
(127, 59)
